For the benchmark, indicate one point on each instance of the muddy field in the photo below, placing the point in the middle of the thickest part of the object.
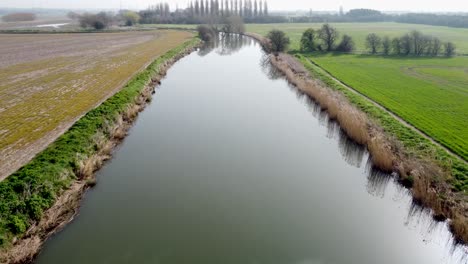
(49, 81)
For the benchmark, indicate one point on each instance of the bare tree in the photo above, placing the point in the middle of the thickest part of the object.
(449, 48)
(405, 44)
(436, 46)
(373, 42)
(255, 8)
(234, 24)
(386, 45)
(328, 35)
(396, 46)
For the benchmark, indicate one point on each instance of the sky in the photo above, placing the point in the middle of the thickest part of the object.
(383, 5)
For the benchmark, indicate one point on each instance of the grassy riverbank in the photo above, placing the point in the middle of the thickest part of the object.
(30, 191)
(417, 145)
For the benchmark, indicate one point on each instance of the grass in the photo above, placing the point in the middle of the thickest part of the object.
(429, 93)
(34, 188)
(359, 31)
(54, 79)
(416, 144)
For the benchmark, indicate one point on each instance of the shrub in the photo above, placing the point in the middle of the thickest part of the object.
(17, 224)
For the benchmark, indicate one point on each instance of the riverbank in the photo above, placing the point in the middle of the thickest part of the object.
(424, 168)
(43, 196)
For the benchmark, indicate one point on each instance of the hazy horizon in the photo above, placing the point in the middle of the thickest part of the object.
(277, 5)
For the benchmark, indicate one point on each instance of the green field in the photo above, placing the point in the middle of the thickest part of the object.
(429, 93)
(359, 31)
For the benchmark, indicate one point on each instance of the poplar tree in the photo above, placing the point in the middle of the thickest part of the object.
(255, 8)
(202, 8)
(226, 5)
(241, 9)
(197, 8)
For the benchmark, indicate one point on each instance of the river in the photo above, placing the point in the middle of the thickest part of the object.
(230, 164)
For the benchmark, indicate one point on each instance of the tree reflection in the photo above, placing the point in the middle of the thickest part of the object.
(225, 44)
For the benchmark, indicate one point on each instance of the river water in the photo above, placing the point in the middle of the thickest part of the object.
(230, 164)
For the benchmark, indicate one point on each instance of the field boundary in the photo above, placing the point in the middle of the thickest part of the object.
(394, 115)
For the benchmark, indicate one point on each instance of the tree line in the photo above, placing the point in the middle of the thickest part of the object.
(414, 43)
(326, 39)
(210, 11)
(370, 15)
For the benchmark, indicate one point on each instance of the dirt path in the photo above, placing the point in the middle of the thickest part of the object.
(402, 121)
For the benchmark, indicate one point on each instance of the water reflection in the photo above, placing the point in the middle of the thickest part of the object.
(225, 44)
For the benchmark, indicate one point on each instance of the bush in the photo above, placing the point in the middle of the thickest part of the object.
(279, 41)
(17, 224)
(97, 21)
(17, 17)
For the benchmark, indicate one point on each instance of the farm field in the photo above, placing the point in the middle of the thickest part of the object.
(49, 81)
(429, 93)
(359, 31)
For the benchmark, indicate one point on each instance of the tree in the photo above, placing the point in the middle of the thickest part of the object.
(97, 21)
(278, 40)
(373, 42)
(265, 8)
(241, 9)
(449, 49)
(436, 46)
(308, 40)
(328, 35)
(234, 24)
(227, 10)
(197, 8)
(386, 44)
(417, 39)
(346, 44)
(206, 33)
(260, 8)
(255, 9)
(202, 8)
(405, 44)
(396, 46)
(130, 18)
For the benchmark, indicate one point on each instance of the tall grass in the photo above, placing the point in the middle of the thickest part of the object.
(430, 182)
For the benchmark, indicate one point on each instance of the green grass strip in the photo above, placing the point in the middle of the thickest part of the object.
(34, 188)
(415, 143)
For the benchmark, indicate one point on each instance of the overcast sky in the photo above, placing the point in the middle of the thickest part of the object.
(384, 5)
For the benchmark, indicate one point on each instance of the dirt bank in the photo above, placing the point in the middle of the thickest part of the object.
(26, 248)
